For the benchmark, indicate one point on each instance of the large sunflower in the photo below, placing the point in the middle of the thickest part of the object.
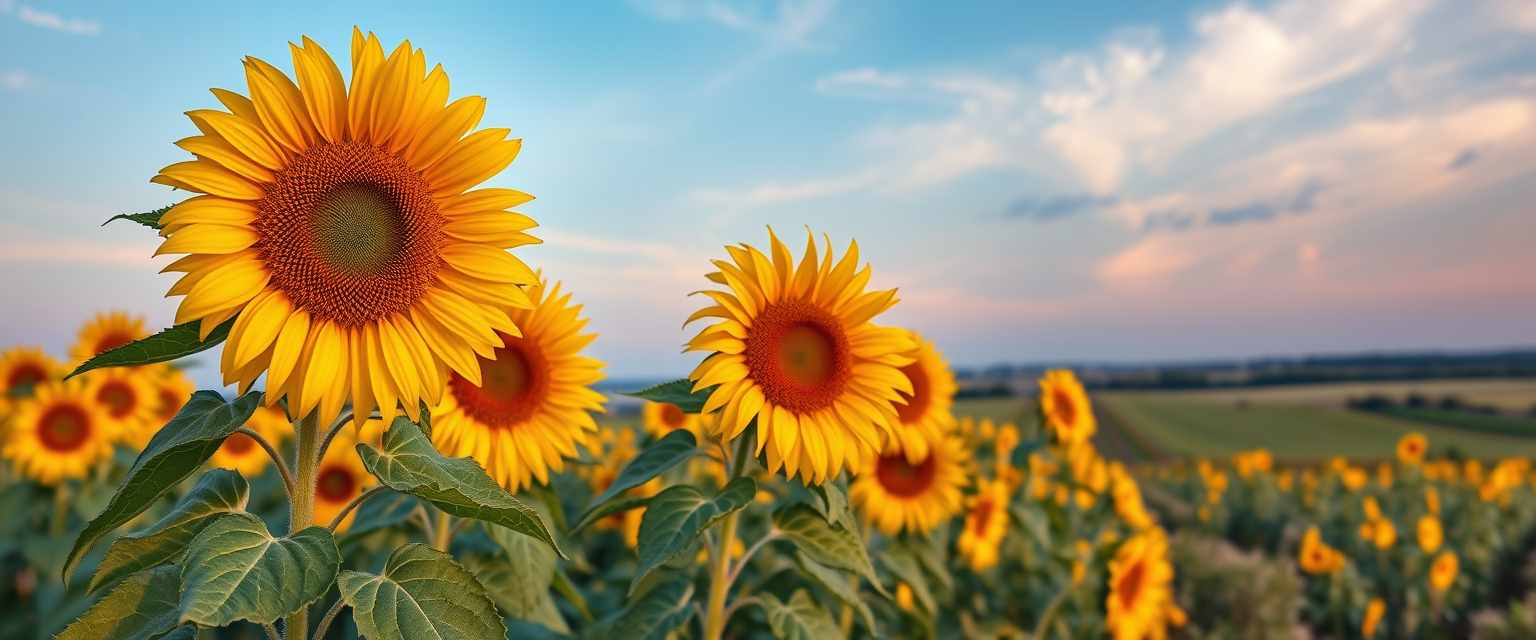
(900, 495)
(22, 369)
(795, 349)
(104, 332)
(986, 522)
(1064, 405)
(241, 453)
(337, 230)
(925, 413)
(536, 402)
(128, 399)
(61, 432)
(661, 418)
(1140, 594)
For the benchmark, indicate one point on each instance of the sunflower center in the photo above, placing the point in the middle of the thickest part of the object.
(672, 416)
(335, 484)
(64, 428)
(981, 515)
(917, 403)
(239, 444)
(512, 387)
(799, 355)
(1065, 410)
(112, 341)
(118, 398)
(350, 233)
(170, 404)
(904, 479)
(23, 378)
(1129, 586)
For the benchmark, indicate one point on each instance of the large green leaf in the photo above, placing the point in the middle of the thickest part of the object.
(178, 449)
(679, 514)
(678, 392)
(801, 619)
(421, 595)
(218, 492)
(149, 219)
(532, 566)
(655, 460)
(834, 505)
(176, 342)
(142, 607)
(236, 570)
(409, 463)
(824, 542)
(651, 616)
(843, 585)
(503, 581)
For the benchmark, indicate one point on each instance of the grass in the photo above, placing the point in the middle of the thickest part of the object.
(1517, 395)
(1484, 423)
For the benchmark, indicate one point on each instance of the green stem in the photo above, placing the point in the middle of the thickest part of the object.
(442, 533)
(301, 512)
(58, 524)
(720, 576)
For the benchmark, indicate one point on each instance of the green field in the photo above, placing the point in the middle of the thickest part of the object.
(1515, 395)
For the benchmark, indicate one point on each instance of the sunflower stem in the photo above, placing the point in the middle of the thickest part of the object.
(277, 458)
(58, 523)
(355, 503)
(721, 575)
(302, 504)
(442, 533)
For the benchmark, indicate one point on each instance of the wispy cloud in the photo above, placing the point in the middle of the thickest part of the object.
(56, 22)
(1044, 209)
(15, 79)
(863, 78)
(783, 23)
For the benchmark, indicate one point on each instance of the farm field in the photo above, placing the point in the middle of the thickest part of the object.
(1510, 395)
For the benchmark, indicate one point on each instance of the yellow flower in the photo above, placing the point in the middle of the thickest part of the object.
(535, 404)
(339, 478)
(1373, 614)
(986, 522)
(924, 415)
(104, 332)
(1385, 534)
(1442, 574)
(172, 390)
(1315, 556)
(904, 597)
(338, 231)
(1252, 462)
(128, 399)
(616, 447)
(898, 495)
(1432, 500)
(661, 418)
(793, 348)
(1431, 535)
(1384, 475)
(1354, 478)
(1065, 407)
(1411, 448)
(1371, 507)
(1140, 593)
(22, 369)
(60, 432)
(1127, 497)
(241, 452)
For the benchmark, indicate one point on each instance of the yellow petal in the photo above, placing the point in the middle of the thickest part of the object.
(221, 153)
(209, 178)
(472, 161)
(280, 106)
(438, 135)
(209, 210)
(258, 327)
(286, 351)
(245, 136)
(208, 238)
(487, 263)
(226, 287)
(367, 57)
(490, 199)
(390, 90)
(325, 94)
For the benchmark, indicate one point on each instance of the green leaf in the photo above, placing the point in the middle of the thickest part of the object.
(176, 342)
(501, 578)
(178, 449)
(422, 594)
(609, 508)
(841, 584)
(142, 607)
(532, 569)
(410, 464)
(679, 514)
(379, 512)
(905, 567)
(825, 542)
(655, 460)
(678, 392)
(236, 570)
(801, 619)
(149, 219)
(834, 505)
(1033, 521)
(218, 492)
(651, 616)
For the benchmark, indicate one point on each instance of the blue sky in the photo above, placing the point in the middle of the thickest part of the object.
(1149, 181)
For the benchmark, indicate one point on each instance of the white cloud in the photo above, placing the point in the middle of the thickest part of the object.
(777, 193)
(56, 22)
(15, 79)
(861, 78)
(783, 23)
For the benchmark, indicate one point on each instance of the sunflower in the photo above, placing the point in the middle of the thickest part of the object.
(128, 399)
(1315, 556)
(1431, 534)
(1140, 593)
(1411, 448)
(1374, 611)
(337, 230)
(986, 521)
(615, 448)
(1065, 408)
(172, 390)
(794, 348)
(662, 418)
(22, 369)
(1128, 502)
(1442, 574)
(925, 412)
(536, 403)
(339, 478)
(241, 453)
(61, 432)
(900, 495)
(105, 332)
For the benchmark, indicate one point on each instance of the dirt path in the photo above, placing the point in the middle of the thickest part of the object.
(1118, 441)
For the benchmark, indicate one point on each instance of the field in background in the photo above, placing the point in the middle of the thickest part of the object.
(1516, 395)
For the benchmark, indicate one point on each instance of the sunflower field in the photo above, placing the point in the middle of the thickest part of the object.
(415, 448)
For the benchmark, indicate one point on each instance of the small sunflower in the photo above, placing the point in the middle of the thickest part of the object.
(924, 414)
(172, 390)
(128, 399)
(1064, 405)
(986, 521)
(1374, 611)
(615, 448)
(900, 495)
(241, 453)
(1315, 556)
(1411, 448)
(794, 348)
(1140, 592)
(337, 229)
(59, 433)
(339, 478)
(1442, 574)
(662, 418)
(22, 369)
(535, 403)
(105, 332)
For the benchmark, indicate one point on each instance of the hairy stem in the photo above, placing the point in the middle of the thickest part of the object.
(442, 533)
(355, 503)
(330, 616)
(720, 559)
(277, 458)
(301, 503)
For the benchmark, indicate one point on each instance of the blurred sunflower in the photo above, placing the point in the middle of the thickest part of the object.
(986, 521)
(924, 414)
(1411, 448)
(1315, 556)
(1064, 405)
(22, 369)
(794, 348)
(1128, 502)
(615, 448)
(1431, 535)
(900, 495)
(59, 433)
(1442, 574)
(241, 453)
(172, 390)
(339, 478)
(662, 418)
(535, 404)
(1374, 611)
(337, 230)
(1140, 593)
(128, 399)
(104, 332)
